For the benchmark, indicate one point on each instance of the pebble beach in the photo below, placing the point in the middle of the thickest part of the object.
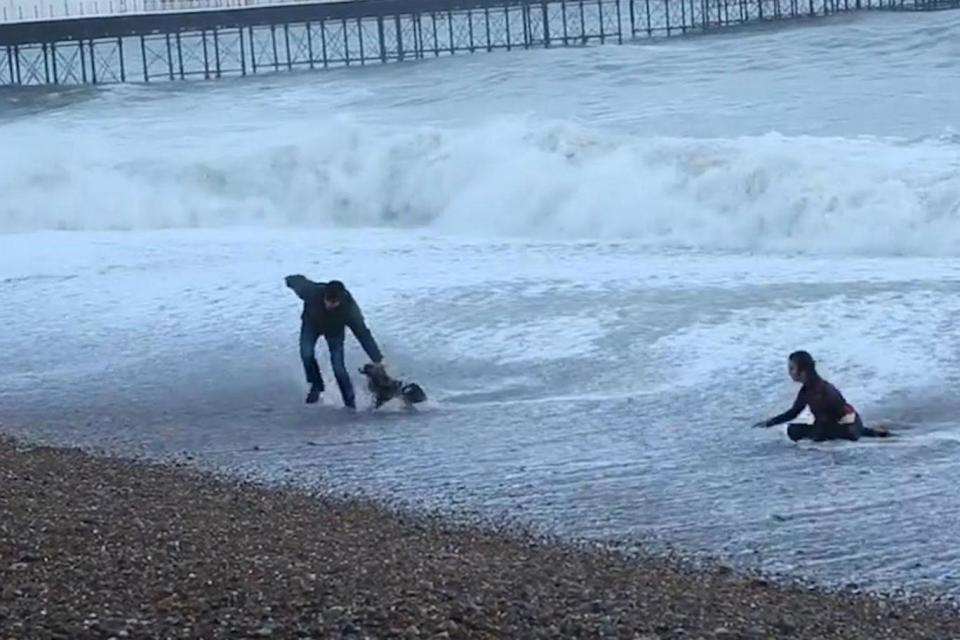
(93, 547)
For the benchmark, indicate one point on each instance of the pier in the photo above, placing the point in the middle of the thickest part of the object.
(207, 44)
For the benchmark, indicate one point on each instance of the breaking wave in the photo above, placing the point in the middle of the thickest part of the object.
(511, 177)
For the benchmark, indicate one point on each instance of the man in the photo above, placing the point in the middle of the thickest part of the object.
(328, 308)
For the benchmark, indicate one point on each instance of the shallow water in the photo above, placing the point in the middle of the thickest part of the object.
(597, 389)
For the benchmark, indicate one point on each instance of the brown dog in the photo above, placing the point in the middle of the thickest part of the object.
(384, 388)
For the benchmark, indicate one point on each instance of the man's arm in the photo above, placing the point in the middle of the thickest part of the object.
(306, 290)
(790, 413)
(359, 328)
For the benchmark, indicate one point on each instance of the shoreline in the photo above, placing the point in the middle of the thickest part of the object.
(505, 522)
(95, 547)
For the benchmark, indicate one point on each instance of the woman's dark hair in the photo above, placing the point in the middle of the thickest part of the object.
(804, 362)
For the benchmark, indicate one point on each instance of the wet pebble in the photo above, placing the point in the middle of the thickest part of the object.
(168, 552)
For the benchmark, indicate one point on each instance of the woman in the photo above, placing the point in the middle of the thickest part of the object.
(833, 417)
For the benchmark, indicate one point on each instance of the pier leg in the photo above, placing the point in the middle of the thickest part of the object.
(169, 57)
(206, 56)
(619, 25)
(583, 24)
(506, 21)
(143, 59)
(93, 63)
(286, 43)
(603, 33)
(486, 19)
(470, 29)
(53, 60)
(526, 26)
(453, 48)
(123, 69)
(273, 40)
(253, 51)
(363, 54)
(563, 17)
(310, 43)
(83, 62)
(546, 23)
(243, 53)
(381, 40)
(323, 43)
(216, 52)
(180, 55)
(421, 51)
(396, 24)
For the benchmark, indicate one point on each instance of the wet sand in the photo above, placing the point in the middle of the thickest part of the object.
(94, 547)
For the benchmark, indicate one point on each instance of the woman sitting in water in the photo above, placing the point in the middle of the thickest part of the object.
(833, 417)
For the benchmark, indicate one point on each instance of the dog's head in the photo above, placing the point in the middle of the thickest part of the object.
(382, 386)
(378, 380)
(374, 372)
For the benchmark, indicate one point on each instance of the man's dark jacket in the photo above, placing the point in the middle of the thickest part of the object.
(330, 322)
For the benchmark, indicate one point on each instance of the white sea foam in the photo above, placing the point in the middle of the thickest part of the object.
(509, 177)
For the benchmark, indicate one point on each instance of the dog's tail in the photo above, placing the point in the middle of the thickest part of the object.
(413, 393)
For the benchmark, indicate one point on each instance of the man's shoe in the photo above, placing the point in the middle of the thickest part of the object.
(314, 395)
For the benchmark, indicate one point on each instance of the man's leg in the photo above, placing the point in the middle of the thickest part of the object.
(335, 344)
(308, 343)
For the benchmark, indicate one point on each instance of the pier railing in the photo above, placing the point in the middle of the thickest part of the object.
(31, 10)
(209, 44)
(678, 17)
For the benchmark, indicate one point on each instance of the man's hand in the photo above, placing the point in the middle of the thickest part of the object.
(379, 367)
